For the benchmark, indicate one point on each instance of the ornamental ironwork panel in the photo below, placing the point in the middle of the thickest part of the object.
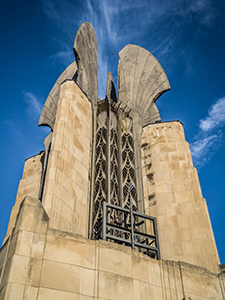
(100, 180)
(128, 165)
(114, 169)
(127, 230)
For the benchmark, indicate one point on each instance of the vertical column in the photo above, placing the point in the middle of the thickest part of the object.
(67, 185)
(173, 195)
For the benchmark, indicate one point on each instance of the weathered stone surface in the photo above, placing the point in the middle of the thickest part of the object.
(64, 270)
(141, 80)
(66, 192)
(173, 195)
(29, 185)
(85, 50)
(47, 117)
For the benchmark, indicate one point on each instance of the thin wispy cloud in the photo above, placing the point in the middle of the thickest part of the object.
(215, 118)
(34, 105)
(210, 136)
(65, 56)
(157, 26)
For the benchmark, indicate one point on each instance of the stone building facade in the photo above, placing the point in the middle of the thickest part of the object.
(112, 209)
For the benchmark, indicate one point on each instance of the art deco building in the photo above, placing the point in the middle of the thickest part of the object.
(113, 208)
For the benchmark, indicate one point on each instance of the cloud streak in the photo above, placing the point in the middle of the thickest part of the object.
(210, 136)
(34, 106)
(215, 118)
(155, 25)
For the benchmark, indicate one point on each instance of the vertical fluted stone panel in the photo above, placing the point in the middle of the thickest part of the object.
(172, 193)
(66, 190)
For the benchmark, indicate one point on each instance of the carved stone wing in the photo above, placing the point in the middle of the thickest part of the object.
(141, 80)
(85, 50)
(47, 117)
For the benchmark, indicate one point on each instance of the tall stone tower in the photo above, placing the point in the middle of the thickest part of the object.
(112, 209)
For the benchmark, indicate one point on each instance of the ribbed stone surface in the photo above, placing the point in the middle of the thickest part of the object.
(141, 80)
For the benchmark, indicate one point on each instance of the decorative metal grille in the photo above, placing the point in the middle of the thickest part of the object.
(128, 165)
(130, 234)
(100, 181)
(114, 182)
(114, 154)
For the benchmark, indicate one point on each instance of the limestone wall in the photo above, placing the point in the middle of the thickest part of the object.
(66, 191)
(172, 193)
(28, 185)
(45, 264)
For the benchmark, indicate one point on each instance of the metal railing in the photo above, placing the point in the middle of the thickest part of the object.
(130, 228)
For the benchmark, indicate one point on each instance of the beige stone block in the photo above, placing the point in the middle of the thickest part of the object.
(167, 176)
(83, 184)
(158, 177)
(182, 197)
(28, 181)
(171, 209)
(81, 170)
(30, 293)
(177, 248)
(19, 269)
(164, 234)
(145, 290)
(180, 234)
(181, 146)
(64, 250)
(13, 247)
(136, 290)
(182, 209)
(188, 248)
(180, 175)
(189, 185)
(175, 165)
(193, 220)
(173, 222)
(61, 276)
(164, 156)
(168, 187)
(90, 253)
(26, 241)
(122, 286)
(167, 147)
(163, 221)
(167, 197)
(179, 186)
(140, 267)
(156, 166)
(166, 166)
(157, 293)
(173, 156)
(117, 262)
(51, 294)
(183, 221)
(184, 165)
(16, 292)
(87, 282)
(159, 188)
(35, 266)
(161, 208)
(199, 234)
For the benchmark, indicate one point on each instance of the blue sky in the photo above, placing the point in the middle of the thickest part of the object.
(187, 37)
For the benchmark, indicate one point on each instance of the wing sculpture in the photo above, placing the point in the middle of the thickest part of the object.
(85, 50)
(47, 117)
(83, 71)
(141, 80)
